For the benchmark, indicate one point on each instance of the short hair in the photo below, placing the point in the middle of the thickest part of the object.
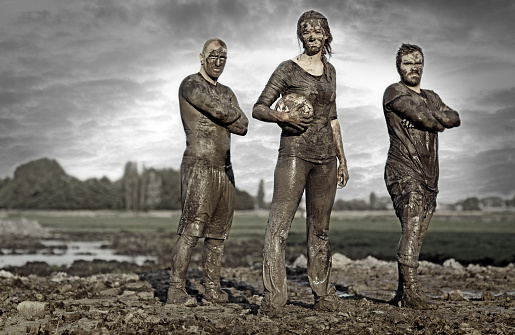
(311, 14)
(404, 50)
(212, 40)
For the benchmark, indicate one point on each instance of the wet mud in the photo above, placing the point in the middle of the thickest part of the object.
(122, 298)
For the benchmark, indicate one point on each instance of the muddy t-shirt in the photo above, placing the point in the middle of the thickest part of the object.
(413, 152)
(316, 143)
(206, 109)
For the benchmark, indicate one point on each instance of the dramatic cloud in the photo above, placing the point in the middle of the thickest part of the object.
(93, 84)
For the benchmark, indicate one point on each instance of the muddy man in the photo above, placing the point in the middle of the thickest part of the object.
(210, 113)
(414, 117)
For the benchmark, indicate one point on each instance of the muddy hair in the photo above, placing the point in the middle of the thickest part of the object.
(404, 50)
(214, 40)
(311, 14)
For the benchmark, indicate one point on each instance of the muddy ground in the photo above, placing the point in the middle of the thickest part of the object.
(121, 298)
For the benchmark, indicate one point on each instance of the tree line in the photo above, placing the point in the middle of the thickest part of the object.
(43, 184)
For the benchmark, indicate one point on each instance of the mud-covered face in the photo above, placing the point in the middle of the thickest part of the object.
(313, 37)
(411, 68)
(213, 60)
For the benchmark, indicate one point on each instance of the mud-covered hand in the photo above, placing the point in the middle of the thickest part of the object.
(407, 124)
(298, 118)
(343, 175)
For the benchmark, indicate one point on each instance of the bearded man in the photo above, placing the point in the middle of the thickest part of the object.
(414, 117)
(210, 113)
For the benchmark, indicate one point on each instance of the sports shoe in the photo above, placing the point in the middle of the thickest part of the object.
(328, 303)
(216, 295)
(178, 296)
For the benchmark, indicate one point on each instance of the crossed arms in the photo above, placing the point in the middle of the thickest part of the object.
(424, 118)
(223, 110)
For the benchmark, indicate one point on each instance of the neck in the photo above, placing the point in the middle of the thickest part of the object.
(312, 58)
(311, 64)
(207, 77)
(413, 88)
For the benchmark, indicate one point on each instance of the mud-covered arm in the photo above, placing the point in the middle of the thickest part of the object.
(240, 126)
(406, 108)
(448, 117)
(276, 86)
(343, 174)
(209, 103)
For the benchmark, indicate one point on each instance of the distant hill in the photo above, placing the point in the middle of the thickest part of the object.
(43, 184)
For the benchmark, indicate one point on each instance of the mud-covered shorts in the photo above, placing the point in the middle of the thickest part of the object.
(207, 199)
(406, 191)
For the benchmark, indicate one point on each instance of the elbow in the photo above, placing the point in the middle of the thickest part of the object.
(454, 120)
(241, 131)
(257, 111)
(244, 128)
(457, 120)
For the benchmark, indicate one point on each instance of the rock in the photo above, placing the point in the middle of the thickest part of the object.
(33, 310)
(301, 262)
(110, 292)
(487, 296)
(453, 264)
(22, 227)
(340, 261)
(456, 295)
(6, 274)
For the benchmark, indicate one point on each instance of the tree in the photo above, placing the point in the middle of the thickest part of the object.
(130, 186)
(243, 200)
(471, 204)
(260, 198)
(373, 200)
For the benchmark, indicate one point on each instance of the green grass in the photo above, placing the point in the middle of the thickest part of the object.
(485, 239)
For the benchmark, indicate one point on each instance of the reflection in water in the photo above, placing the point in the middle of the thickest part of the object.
(62, 253)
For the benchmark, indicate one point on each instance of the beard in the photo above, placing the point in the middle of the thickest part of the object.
(410, 80)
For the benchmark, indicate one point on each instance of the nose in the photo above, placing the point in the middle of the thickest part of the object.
(218, 61)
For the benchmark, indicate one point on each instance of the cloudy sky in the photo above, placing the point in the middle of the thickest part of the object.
(93, 83)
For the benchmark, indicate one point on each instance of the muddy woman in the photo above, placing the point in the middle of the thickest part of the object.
(210, 113)
(310, 145)
(414, 117)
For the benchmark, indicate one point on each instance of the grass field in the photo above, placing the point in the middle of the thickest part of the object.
(481, 238)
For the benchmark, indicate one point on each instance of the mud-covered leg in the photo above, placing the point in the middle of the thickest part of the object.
(414, 226)
(181, 256)
(320, 194)
(289, 180)
(212, 263)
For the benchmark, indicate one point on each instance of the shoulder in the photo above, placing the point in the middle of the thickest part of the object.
(286, 66)
(394, 91)
(396, 87)
(430, 93)
(192, 79)
(330, 67)
(222, 88)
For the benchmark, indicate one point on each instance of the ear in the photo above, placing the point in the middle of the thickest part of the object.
(201, 56)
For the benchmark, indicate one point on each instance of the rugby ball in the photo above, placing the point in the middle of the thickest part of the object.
(288, 104)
